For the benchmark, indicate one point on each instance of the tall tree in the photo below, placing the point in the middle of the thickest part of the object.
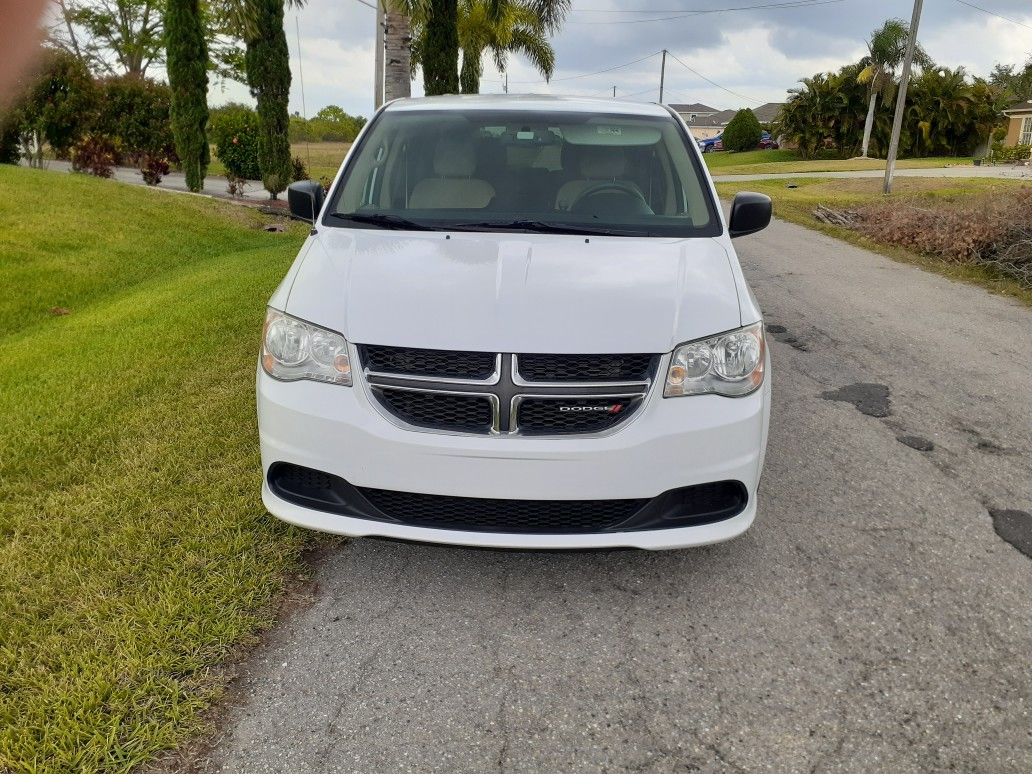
(113, 37)
(397, 53)
(886, 49)
(511, 27)
(187, 65)
(440, 50)
(443, 27)
(1017, 83)
(268, 75)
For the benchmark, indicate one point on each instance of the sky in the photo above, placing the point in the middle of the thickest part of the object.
(740, 58)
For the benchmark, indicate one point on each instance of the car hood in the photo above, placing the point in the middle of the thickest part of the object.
(515, 292)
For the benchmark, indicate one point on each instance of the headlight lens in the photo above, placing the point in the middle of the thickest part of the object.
(293, 349)
(730, 364)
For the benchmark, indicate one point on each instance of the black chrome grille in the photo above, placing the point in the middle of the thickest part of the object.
(586, 368)
(430, 363)
(442, 411)
(687, 506)
(487, 515)
(563, 416)
(505, 393)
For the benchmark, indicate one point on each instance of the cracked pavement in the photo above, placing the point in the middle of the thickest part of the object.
(872, 619)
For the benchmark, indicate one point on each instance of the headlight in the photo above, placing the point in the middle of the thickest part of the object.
(293, 349)
(729, 364)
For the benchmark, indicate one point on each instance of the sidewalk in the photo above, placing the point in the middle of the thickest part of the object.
(176, 181)
(1002, 172)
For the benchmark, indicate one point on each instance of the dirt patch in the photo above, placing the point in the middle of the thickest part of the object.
(869, 398)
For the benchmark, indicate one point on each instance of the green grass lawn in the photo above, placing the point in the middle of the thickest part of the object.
(322, 158)
(763, 162)
(135, 554)
(797, 205)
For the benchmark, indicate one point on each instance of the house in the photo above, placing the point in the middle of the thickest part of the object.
(709, 124)
(694, 113)
(1019, 129)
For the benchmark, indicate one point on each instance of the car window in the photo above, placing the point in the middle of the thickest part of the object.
(555, 172)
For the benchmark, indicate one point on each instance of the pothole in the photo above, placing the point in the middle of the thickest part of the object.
(869, 398)
(781, 333)
(1015, 527)
(916, 442)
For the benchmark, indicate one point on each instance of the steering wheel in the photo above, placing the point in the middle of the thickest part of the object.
(610, 187)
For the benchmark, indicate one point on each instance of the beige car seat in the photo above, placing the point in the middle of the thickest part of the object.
(453, 186)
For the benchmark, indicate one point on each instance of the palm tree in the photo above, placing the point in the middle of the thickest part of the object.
(516, 28)
(441, 28)
(887, 47)
(397, 53)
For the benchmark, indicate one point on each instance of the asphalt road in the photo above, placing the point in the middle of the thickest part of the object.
(872, 619)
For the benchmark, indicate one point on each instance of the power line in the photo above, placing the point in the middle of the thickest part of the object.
(597, 72)
(992, 13)
(367, 4)
(682, 14)
(714, 83)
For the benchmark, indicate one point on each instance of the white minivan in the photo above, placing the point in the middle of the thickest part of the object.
(519, 321)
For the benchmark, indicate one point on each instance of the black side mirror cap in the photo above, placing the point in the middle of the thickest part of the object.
(305, 199)
(750, 212)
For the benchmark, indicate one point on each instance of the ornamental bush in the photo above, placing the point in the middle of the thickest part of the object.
(234, 131)
(137, 112)
(95, 153)
(743, 132)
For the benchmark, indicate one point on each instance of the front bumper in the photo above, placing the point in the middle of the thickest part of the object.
(668, 444)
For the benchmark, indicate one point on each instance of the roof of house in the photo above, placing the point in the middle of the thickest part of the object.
(767, 112)
(1019, 107)
(694, 107)
(721, 118)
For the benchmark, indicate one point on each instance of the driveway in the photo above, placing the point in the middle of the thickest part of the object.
(874, 618)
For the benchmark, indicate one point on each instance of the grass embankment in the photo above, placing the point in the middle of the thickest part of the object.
(797, 205)
(764, 162)
(322, 158)
(135, 554)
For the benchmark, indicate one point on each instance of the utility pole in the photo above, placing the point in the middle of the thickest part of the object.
(381, 22)
(662, 77)
(901, 98)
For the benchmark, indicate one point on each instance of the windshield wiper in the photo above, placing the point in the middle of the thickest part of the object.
(383, 220)
(544, 227)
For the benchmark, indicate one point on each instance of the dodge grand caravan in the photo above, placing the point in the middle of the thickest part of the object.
(517, 322)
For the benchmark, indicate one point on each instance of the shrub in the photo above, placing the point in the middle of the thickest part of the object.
(57, 106)
(742, 132)
(993, 230)
(153, 168)
(137, 112)
(10, 141)
(235, 186)
(1003, 152)
(325, 182)
(298, 170)
(96, 154)
(234, 130)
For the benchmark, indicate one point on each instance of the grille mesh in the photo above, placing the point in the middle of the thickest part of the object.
(486, 515)
(434, 363)
(545, 416)
(462, 413)
(586, 368)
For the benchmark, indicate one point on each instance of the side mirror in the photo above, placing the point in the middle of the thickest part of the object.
(750, 212)
(305, 199)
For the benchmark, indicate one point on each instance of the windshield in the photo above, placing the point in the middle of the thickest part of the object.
(478, 170)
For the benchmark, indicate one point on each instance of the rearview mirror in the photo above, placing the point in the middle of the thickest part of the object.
(305, 199)
(750, 212)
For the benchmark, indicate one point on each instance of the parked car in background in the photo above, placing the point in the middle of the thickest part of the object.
(518, 322)
(767, 142)
(712, 144)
